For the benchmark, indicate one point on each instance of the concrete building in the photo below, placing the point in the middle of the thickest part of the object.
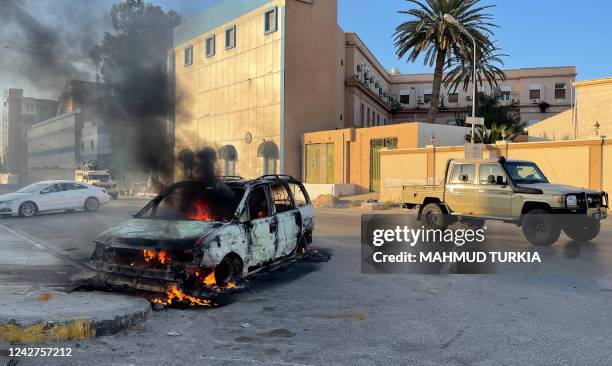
(56, 146)
(20, 113)
(591, 118)
(252, 76)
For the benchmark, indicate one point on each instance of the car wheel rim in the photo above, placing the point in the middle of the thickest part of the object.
(92, 205)
(28, 209)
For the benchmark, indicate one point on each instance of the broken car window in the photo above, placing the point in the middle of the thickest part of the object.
(196, 201)
(281, 198)
(298, 194)
(258, 203)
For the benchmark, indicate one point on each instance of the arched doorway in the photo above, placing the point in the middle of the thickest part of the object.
(269, 152)
(229, 155)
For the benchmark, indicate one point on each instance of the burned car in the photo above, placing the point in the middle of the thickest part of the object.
(196, 238)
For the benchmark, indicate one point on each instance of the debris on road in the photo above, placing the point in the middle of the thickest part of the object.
(174, 334)
(329, 201)
(246, 325)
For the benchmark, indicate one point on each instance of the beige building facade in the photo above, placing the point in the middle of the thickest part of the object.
(253, 76)
(591, 117)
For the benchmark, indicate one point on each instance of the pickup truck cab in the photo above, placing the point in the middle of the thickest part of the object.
(513, 191)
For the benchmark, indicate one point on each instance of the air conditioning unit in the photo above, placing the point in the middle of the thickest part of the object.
(359, 68)
(535, 101)
(515, 100)
(420, 101)
(357, 77)
(468, 98)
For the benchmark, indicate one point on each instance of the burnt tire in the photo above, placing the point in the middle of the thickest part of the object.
(433, 216)
(91, 204)
(229, 270)
(582, 230)
(540, 227)
(28, 209)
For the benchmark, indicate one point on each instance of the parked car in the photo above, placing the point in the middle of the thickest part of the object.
(52, 195)
(513, 191)
(196, 235)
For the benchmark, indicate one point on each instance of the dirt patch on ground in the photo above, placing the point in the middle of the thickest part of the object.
(329, 201)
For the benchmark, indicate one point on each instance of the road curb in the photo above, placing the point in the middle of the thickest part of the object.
(56, 316)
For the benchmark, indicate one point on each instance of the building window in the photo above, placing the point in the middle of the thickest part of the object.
(504, 93)
(230, 37)
(361, 116)
(427, 98)
(405, 99)
(559, 90)
(385, 121)
(92, 144)
(368, 122)
(534, 91)
(210, 46)
(271, 21)
(188, 55)
(453, 97)
(378, 120)
(82, 146)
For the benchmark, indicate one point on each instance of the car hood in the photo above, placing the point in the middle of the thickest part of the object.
(549, 188)
(156, 233)
(12, 196)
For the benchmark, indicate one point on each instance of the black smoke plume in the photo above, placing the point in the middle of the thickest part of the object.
(45, 43)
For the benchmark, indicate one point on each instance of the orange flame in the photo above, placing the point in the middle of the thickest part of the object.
(163, 257)
(149, 255)
(210, 279)
(201, 212)
(176, 294)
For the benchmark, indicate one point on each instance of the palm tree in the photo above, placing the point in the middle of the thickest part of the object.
(460, 69)
(426, 33)
(497, 133)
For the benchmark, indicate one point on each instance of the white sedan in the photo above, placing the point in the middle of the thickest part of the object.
(51, 196)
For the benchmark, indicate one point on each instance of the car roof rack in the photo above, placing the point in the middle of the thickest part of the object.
(230, 177)
(276, 176)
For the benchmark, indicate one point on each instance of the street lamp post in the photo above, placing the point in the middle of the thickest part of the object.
(453, 21)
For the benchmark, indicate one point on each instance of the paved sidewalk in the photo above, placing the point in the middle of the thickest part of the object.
(35, 307)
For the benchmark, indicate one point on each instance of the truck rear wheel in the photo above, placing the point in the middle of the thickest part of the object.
(583, 229)
(433, 217)
(540, 228)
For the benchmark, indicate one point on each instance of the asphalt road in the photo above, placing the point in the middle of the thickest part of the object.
(556, 312)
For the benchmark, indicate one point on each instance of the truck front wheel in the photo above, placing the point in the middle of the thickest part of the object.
(433, 217)
(540, 228)
(583, 229)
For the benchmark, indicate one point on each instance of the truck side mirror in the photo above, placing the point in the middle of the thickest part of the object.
(501, 181)
(491, 179)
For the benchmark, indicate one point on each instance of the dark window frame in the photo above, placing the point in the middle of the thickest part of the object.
(273, 26)
(207, 52)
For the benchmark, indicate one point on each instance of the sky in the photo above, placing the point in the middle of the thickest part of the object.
(532, 33)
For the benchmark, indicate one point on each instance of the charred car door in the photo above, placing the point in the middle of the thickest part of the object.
(261, 227)
(288, 218)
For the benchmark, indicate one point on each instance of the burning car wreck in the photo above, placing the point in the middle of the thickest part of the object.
(197, 239)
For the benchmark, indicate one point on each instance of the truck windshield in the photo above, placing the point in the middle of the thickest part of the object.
(100, 177)
(525, 172)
